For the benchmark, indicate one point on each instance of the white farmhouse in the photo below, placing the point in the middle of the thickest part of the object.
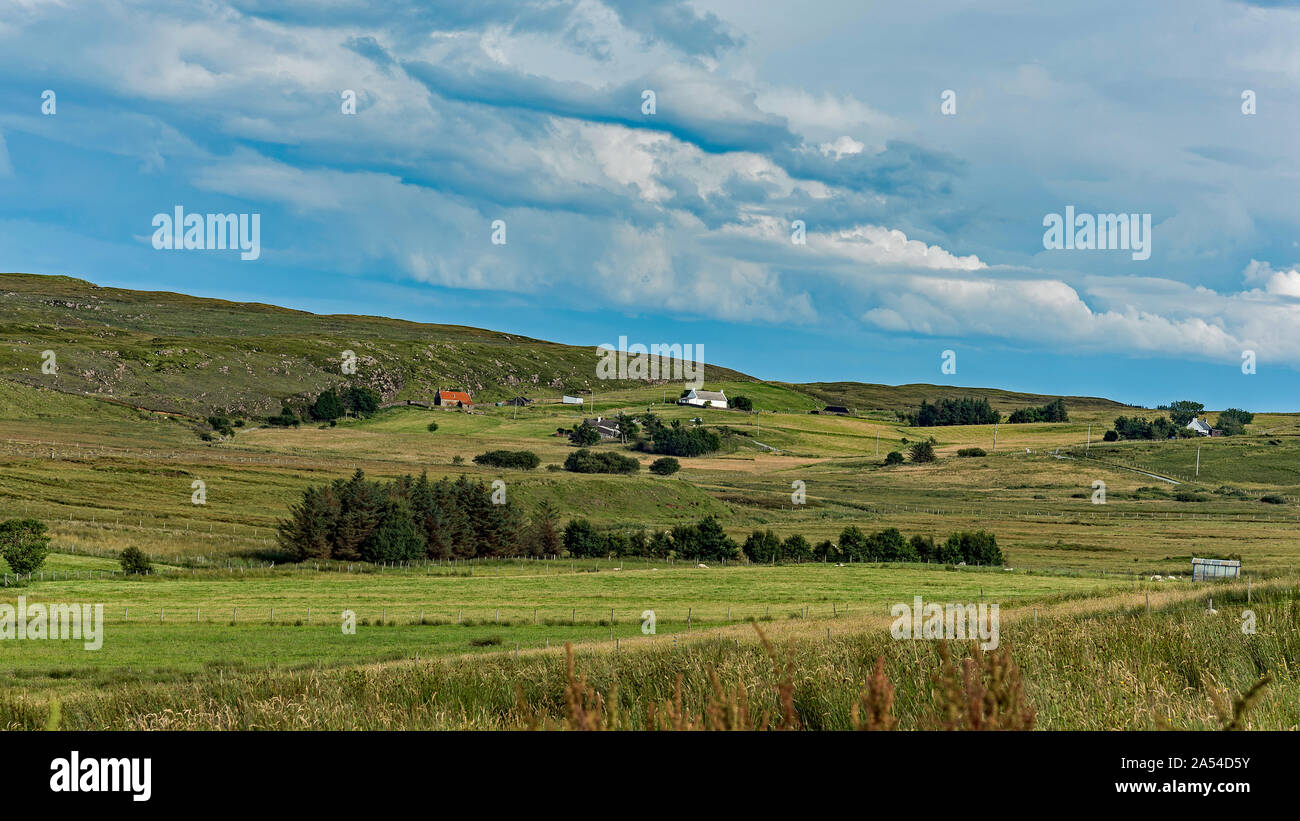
(1200, 427)
(704, 399)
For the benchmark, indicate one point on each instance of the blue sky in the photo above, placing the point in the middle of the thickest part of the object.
(924, 229)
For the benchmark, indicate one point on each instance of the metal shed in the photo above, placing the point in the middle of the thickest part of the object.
(1204, 569)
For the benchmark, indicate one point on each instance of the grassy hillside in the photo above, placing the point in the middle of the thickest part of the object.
(865, 398)
(173, 352)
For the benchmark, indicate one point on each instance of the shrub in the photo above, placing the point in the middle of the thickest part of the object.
(585, 461)
(24, 544)
(894, 458)
(286, 418)
(1110, 436)
(1272, 499)
(971, 452)
(432, 427)
(584, 435)
(134, 562)
(742, 403)
(221, 425)
(519, 459)
(665, 466)
(922, 452)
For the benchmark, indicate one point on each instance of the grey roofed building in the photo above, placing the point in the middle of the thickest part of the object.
(607, 428)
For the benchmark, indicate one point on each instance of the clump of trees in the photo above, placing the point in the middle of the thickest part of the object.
(357, 399)
(705, 541)
(285, 418)
(358, 519)
(517, 459)
(1137, 427)
(964, 411)
(921, 452)
(586, 461)
(1233, 421)
(1053, 411)
(222, 424)
(1183, 411)
(676, 440)
(24, 544)
(742, 403)
(888, 545)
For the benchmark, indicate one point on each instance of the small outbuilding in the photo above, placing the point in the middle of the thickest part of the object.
(1209, 569)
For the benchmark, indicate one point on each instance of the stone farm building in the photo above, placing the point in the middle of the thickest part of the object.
(454, 399)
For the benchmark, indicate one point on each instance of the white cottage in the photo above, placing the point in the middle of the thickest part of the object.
(704, 399)
(1200, 427)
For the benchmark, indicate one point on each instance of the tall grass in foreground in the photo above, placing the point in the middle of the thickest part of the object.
(1181, 668)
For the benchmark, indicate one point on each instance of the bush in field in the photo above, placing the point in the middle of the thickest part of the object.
(286, 418)
(742, 403)
(893, 458)
(134, 562)
(665, 466)
(518, 459)
(585, 461)
(432, 427)
(222, 425)
(1110, 436)
(971, 452)
(24, 544)
(921, 452)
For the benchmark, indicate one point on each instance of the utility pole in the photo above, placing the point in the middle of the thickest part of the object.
(1085, 447)
(995, 437)
(1198, 460)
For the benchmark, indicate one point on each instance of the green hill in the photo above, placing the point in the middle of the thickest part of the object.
(865, 398)
(172, 352)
